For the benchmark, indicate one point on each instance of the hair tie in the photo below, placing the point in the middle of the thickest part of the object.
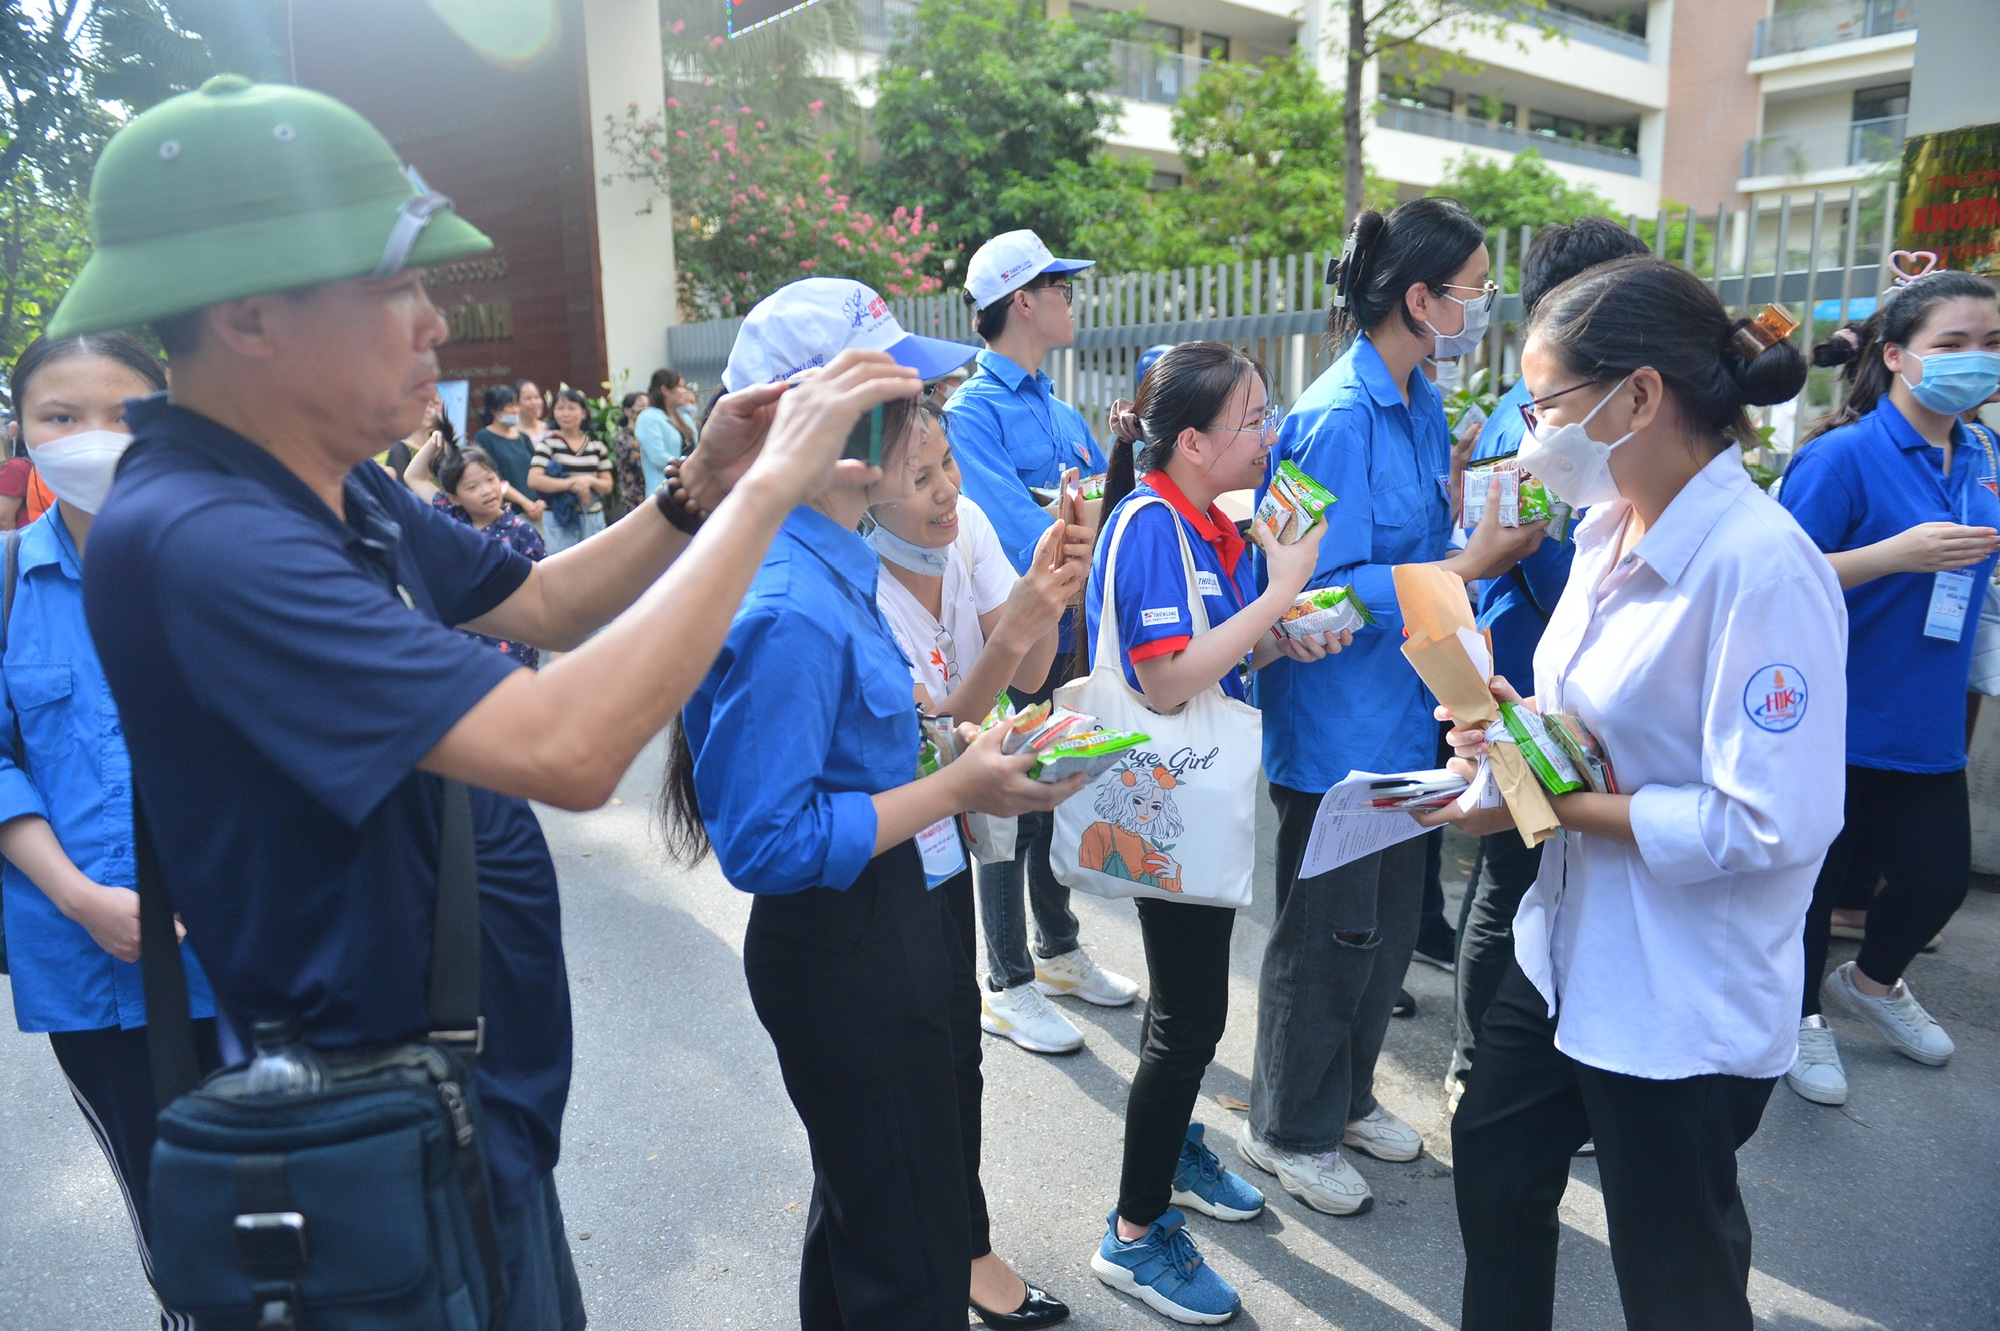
(1751, 338)
(1340, 271)
(1849, 336)
(1903, 263)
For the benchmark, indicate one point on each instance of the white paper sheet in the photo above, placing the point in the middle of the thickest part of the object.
(1345, 828)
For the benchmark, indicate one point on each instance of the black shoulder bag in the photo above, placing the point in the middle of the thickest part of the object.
(362, 1206)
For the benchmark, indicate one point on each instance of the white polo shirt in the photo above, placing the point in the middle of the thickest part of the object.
(1711, 662)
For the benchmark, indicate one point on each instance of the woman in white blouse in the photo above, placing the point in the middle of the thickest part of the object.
(1703, 638)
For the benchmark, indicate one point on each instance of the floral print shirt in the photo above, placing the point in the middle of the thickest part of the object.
(514, 530)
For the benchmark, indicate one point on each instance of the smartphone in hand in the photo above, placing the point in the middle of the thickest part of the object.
(864, 442)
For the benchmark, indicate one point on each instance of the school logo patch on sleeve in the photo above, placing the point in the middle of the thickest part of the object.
(1775, 698)
(1164, 615)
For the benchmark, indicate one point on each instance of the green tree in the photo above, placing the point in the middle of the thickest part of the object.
(1392, 30)
(994, 118)
(1261, 148)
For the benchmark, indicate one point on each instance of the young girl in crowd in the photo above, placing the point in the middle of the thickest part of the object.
(572, 468)
(970, 626)
(72, 915)
(1901, 497)
(1701, 638)
(1205, 416)
(510, 449)
(816, 807)
(1372, 430)
(468, 488)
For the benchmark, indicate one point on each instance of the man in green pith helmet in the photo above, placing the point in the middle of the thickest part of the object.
(275, 615)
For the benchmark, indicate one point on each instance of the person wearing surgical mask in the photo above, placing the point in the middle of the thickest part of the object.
(1372, 430)
(1902, 497)
(1702, 639)
(72, 915)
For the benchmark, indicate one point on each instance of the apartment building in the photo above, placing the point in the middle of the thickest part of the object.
(1592, 100)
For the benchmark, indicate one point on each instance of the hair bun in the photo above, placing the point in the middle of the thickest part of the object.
(1840, 348)
(1774, 375)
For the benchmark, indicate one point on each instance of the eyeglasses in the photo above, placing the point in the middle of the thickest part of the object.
(1487, 294)
(1061, 284)
(1530, 417)
(1273, 418)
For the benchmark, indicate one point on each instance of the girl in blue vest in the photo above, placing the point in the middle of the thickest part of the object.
(1902, 498)
(72, 916)
(1372, 430)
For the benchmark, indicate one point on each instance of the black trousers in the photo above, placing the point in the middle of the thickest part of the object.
(1187, 1005)
(863, 1001)
(111, 1077)
(961, 910)
(1507, 869)
(1666, 1155)
(1917, 827)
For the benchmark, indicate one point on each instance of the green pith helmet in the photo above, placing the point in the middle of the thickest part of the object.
(239, 188)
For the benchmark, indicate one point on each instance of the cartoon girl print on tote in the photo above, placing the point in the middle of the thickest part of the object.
(1140, 821)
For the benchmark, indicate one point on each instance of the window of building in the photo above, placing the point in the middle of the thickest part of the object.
(1622, 137)
(1164, 180)
(1165, 34)
(1891, 99)
(1558, 127)
(1214, 46)
(1485, 106)
(1430, 96)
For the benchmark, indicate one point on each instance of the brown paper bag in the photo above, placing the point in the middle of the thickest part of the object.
(1435, 607)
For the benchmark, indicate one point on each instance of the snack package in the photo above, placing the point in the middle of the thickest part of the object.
(1293, 505)
(1585, 751)
(1545, 755)
(1325, 610)
(1092, 487)
(1091, 752)
(1042, 725)
(1523, 499)
(1473, 416)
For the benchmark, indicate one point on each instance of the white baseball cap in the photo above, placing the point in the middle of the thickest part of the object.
(806, 324)
(1008, 262)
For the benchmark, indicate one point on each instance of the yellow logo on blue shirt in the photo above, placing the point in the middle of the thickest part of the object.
(1775, 698)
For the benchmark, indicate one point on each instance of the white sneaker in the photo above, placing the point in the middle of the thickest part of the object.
(1075, 974)
(1900, 1018)
(1816, 1072)
(1324, 1182)
(1384, 1136)
(1025, 1017)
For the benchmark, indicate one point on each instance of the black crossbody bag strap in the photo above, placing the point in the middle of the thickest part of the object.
(1521, 580)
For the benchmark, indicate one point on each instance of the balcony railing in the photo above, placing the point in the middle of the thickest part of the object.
(1147, 73)
(1824, 147)
(1596, 32)
(1483, 134)
(878, 20)
(1832, 22)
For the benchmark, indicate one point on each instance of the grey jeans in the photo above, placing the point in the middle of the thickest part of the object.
(1002, 917)
(1338, 949)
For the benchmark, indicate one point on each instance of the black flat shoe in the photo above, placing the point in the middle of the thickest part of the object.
(1405, 1006)
(1038, 1309)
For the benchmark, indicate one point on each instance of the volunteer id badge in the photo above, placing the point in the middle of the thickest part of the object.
(943, 855)
(1951, 595)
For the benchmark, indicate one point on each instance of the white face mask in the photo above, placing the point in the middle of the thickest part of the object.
(1568, 461)
(924, 559)
(1467, 339)
(1450, 373)
(78, 467)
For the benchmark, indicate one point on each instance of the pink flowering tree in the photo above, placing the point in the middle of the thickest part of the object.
(756, 206)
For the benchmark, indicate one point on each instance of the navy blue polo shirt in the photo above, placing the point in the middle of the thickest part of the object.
(1864, 483)
(1152, 599)
(280, 672)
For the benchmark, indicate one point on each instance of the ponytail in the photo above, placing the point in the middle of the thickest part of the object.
(679, 811)
(1423, 241)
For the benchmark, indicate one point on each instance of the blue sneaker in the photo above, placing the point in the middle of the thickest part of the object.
(1165, 1271)
(1202, 1184)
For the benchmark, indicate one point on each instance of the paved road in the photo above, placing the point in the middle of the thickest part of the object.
(685, 1174)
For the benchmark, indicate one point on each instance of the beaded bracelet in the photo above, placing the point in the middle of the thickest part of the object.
(676, 505)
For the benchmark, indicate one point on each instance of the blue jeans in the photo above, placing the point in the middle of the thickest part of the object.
(542, 1293)
(1336, 956)
(1000, 911)
(555, 539)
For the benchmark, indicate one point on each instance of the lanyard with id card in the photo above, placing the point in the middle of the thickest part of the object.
(1951, 591)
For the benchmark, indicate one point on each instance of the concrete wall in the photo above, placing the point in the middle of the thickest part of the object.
(1953, 84)
(635, 251)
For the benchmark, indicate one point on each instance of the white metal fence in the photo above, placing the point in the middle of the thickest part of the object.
(1824, 260)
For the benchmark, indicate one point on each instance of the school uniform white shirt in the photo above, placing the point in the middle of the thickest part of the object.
(977, 580)
(1711, 663)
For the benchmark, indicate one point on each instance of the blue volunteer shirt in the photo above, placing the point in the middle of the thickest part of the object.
(62, 758)
(1153, 599)
(1513, 614)
(1864, 483)
(1009, 431)
(785, 790)
(1387, 465)
(281, 671)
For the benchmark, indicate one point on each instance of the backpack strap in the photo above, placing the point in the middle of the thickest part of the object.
(12, 574)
